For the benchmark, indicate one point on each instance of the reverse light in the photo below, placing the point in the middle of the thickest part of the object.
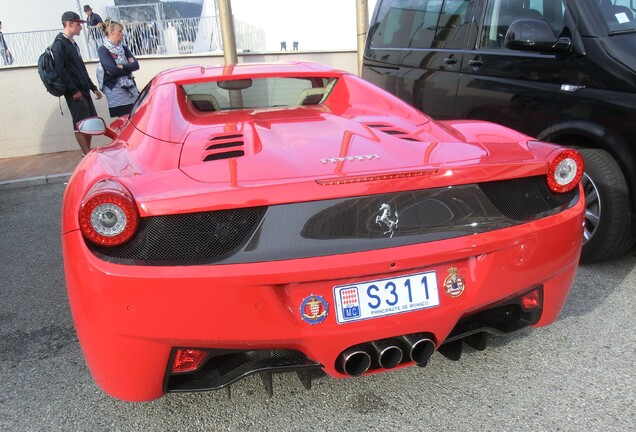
(531, 300)
(108, 216)
(565, 171)
(188, 360)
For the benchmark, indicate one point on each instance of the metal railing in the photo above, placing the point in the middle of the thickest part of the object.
(164, 37)
(26, 47)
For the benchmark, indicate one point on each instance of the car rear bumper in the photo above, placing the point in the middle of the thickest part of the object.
(129, 318)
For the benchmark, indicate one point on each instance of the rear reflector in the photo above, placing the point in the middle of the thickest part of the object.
(532, 300)
(188, 360)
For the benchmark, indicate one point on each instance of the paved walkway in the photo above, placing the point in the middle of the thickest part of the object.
(38, 169)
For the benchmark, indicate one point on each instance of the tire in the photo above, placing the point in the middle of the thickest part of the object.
(608, 224)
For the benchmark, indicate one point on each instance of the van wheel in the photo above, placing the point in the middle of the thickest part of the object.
(608, 231)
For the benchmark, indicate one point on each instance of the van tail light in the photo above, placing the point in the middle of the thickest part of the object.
(108, 216)
(565, 171)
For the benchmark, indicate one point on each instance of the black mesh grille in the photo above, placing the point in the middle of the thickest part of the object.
(524, 198)
(191, 237)
(224, 367)
(500, 318)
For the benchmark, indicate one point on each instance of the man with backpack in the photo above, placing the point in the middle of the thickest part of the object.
(72, 72)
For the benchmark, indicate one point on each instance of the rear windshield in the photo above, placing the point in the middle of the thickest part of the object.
(257, 93)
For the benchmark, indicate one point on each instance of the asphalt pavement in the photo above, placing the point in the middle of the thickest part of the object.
(577, 374)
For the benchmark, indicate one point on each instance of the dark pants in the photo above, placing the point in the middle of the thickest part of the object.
(80, 109)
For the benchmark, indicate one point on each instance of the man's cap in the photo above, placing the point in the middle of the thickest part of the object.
(71, 16)
(87, 7)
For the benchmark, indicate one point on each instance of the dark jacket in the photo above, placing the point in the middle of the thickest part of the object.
(94, 32)
(70, 66)
(111, 71)
(93, 20)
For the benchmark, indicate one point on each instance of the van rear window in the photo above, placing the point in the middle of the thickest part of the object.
(420, 24)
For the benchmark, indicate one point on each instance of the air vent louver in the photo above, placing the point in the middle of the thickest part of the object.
(224, 147)
(392, 130)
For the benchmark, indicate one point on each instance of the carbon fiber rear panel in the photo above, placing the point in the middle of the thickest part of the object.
(338, 226)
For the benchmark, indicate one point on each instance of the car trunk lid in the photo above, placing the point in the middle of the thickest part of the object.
(300, 143)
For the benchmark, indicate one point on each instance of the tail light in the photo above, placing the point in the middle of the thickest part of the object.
(565, 171)
(108, 216)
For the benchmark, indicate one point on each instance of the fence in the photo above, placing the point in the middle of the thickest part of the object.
(27, 47)
(163, 37)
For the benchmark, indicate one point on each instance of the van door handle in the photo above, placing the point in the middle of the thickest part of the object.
(475, 63)
(450, 60)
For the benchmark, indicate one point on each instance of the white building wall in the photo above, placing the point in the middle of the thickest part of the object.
(30, 118)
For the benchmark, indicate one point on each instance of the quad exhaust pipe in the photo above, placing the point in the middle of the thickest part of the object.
(422, 348)
(355, 361)
(386, 353)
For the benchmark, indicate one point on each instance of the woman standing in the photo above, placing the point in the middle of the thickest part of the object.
(118, 63)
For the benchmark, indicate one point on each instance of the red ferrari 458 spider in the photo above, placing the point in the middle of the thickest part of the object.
(264, 218)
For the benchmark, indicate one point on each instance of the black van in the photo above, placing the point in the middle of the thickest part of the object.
(562, 71)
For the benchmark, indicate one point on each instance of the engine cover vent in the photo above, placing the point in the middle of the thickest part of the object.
(392, 130)
(224, 147)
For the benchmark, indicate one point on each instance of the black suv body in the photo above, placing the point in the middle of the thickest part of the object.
(562, 71)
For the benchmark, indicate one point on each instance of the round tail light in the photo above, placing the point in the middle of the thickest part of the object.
(565, 171)
(108, 216)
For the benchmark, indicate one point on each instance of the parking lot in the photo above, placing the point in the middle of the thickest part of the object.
(577, 374)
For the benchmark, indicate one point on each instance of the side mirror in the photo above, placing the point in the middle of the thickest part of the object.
(96, 126)
(534, 36)
(92, 126)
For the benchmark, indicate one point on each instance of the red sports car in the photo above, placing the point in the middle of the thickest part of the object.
(265, 218)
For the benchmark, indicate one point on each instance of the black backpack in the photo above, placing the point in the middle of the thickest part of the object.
(48, 75)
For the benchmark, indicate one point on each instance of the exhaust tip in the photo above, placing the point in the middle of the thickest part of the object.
(355, 361)
(422, 347)
(389, 354)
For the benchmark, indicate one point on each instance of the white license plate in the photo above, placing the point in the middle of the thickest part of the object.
(365, 300)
